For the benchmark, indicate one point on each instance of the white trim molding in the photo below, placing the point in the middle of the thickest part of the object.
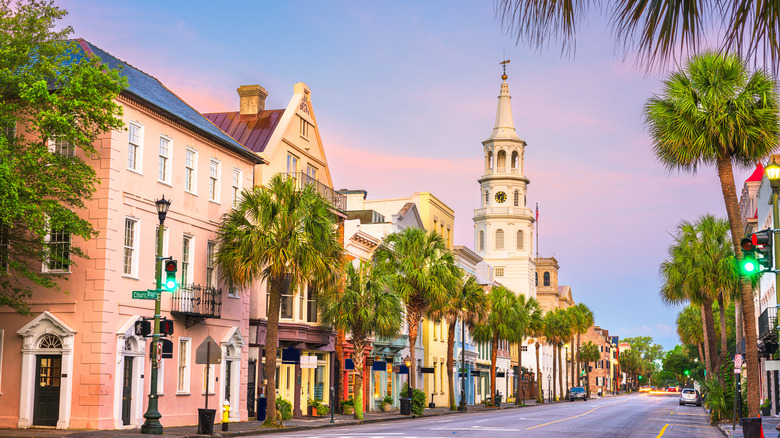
(136, 349)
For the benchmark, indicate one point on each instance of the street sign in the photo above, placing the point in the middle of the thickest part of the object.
(149, 294)
(208, 352)
(737, 363)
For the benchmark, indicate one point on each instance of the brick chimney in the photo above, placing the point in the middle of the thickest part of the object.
(252, 99)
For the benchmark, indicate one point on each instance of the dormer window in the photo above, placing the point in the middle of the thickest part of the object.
(304, 128)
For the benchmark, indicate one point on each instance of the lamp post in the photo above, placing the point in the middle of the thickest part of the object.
(408, 363)
(462, 404)
(773, 174)
(152, 424)
(549, 389)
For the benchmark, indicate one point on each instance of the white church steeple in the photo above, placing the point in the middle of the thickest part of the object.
(504, 128)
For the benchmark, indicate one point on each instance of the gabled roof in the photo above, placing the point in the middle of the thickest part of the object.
(155, 94)
(758, 174)
(253, 132)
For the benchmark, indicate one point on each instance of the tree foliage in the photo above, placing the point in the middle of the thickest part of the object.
(48, 91)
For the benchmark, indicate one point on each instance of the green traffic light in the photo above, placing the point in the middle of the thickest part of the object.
(170, 284)
(687, 372)
(640, 377)
(749, 266)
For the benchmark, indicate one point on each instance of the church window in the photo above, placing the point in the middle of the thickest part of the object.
(499, 271)
(536, 278)
(487, 197)
(489, 162)
(499, 239)
(520, 239)
(546, 278)
(501, 161)
(515, 161)
(517, 198)
(481, 240)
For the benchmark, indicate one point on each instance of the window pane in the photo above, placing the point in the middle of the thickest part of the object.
(129, 246)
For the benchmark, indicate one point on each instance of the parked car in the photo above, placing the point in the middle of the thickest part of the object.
(690, 396)
(672, 389)
(578, 392)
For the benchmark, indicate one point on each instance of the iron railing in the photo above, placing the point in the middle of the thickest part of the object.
(335, 199)
(767, 321)
(197, 300)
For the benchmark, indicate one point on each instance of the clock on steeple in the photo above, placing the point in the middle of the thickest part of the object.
(500, 197)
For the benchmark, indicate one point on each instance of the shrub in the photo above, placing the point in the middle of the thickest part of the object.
(719, 401)
(387, 400)
(418, 399)
(348, 402)
(284, 408)
(767, 403)
(321, 408)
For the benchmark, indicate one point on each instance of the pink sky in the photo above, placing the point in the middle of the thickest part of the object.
(404, 93)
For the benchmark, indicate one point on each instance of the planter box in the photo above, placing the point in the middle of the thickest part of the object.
(765, 412)
(313, 411)
(386, 407)
(349, 410)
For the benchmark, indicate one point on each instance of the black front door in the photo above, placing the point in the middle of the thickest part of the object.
(47, 390)
(228, 365)
(127, 389)
(250, 388)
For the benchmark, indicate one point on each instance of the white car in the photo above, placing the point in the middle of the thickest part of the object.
(690, 396)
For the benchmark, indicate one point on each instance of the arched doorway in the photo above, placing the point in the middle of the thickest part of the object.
(128, 387)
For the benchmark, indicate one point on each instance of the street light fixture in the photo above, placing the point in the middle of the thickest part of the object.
(408, 363)
(549, 388)
(152, 424)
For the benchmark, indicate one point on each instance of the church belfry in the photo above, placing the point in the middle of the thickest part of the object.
(503, 225)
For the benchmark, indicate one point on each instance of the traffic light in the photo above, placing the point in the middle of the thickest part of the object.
(166, 327)
(748, 265)
(687, 372)
(640, 377)
(170, 274)
(143, 328)
(762, 241)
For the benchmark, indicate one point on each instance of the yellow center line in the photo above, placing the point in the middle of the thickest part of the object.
(662, 431)
(683, 413)
(576, 416)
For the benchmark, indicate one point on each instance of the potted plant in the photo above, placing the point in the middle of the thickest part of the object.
(348, 406)
(766, 408)
(386, 403)
(314, 408)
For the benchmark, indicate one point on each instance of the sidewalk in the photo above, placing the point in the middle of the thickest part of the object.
(768, 423)
(246, 427)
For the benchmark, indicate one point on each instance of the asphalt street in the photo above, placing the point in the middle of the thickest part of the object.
(627, 416)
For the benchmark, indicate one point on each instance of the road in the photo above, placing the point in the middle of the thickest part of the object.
(626, 416)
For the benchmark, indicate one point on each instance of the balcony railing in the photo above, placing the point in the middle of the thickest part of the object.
(196, 303)
(767, 321)
(335, 199)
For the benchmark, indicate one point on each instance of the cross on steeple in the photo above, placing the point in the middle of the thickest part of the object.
(503, 64)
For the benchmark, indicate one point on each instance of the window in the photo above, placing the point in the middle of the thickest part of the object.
(134, 147)
(287, 299)
(210, 249)
(292, 163)
(517, 198)
(499, 239)
(536, 278)
(59, 251)
(183, 379)
(61, 147)
(520, 239)
(524, 348)
(5, 249)
(304, 128)
(441, 379)
(481, 240)
(435, 374)
(487, 197)
(311, 172)
(164, 166)
(212, 379)
(165, 242)
(190, 175)
(214, 166)
(236, 187)
(499, 271)
(131, 247)
(8, 131)
(186, 250)
(546, 278)
(311, 305)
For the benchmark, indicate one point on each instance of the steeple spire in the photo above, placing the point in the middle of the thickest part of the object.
(504, 128)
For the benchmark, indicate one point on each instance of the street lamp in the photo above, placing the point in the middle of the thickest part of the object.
(408, 363)
(549, 389)
(462, 404)
(152, 424)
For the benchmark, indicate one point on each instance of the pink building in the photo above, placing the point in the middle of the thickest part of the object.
(76, 361)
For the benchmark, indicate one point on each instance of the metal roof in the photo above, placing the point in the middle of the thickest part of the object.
(253, 131)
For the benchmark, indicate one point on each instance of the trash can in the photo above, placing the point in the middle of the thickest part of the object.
(262, 406)
(406, 406)
(751, 427)
(498, 400)
(206, 421)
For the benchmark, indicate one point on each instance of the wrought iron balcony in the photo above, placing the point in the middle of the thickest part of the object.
(196, 303)
(335, 199)
(767, 321)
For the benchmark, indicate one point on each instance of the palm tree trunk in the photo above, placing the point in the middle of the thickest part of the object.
(579, 362)
(711, 339)
(723, 334)
(358, 353)
(493, 359)
(451, 361)
(341, 338)
(726, 175)
(571, 382)
(707, 361)
(554, 392)
(271, 336)
(701, 355)
(519, 371)
(562, 370)
(587, 378)
(413, 318)
(538, 376)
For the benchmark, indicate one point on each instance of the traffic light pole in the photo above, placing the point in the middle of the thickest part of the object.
(776, 243)
(152, 424)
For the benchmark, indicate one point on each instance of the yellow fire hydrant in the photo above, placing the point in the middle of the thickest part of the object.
(225, 415)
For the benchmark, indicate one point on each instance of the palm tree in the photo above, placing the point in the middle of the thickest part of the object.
(528, 314)
(716, 112)
(536, 330)
(658, 30)
(366, 308)
(555, 322)
(701, 269)
(497, 325)
(583, 320)
(422, 272)
(565, 332)
(589, 353)
(467, 302)
(278, 234)
(689, 328)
